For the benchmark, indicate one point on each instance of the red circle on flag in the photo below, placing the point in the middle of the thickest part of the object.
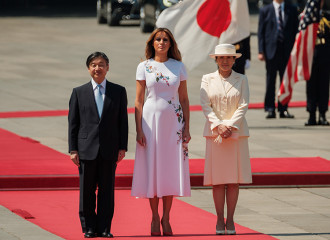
(214, 16)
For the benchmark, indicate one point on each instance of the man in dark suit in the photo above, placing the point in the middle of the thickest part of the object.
(278, 25)
(98, 134)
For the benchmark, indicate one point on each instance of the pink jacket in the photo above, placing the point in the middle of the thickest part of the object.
(227, 107)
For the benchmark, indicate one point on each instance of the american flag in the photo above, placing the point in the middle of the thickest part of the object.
(300, 62)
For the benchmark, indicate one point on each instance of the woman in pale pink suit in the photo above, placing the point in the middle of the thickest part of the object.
(161, 168)
(224, 98)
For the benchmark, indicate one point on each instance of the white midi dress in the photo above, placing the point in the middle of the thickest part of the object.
(161, 167)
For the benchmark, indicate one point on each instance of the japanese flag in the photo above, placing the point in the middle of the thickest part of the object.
(199, 25)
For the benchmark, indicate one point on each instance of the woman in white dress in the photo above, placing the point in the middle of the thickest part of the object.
(225, 99)
(161, 168)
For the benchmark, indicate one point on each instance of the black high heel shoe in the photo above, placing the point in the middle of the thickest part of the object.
(166, 232)
(155, 229)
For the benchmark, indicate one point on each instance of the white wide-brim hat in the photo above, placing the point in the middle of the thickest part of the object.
(225, 50)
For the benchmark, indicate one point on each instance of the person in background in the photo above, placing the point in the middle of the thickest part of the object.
(317, 88)
(161, 168)
(243, 62)
(278, 25)
(98, 135)
(224, 98)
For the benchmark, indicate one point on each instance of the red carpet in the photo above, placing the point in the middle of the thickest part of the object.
(54, 113)
(25, 156)
(57, 212)
(27, 164)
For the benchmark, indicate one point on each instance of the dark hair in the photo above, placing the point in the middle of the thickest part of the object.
(228, 56)
(216, 58)
(173, 51)
(96, 55)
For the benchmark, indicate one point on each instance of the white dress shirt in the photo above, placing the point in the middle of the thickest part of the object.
(276, 6)
(102, 89)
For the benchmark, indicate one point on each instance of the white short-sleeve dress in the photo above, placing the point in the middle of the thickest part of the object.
(161, 168)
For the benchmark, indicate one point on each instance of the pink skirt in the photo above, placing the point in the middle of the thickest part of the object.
(227, 162)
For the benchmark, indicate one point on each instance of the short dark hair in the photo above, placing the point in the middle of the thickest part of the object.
(96, 55)
(219, 56)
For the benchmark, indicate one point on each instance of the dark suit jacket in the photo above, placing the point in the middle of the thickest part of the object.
(242, 47)
(87, 132)
(267, 30)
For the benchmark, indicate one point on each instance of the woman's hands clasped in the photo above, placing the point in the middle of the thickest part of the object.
(224, 131)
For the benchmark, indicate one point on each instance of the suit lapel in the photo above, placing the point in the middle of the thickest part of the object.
(107, 97)
(217, 83)
(91, 98)
(232, 80)
(272, 11)
(286, 14)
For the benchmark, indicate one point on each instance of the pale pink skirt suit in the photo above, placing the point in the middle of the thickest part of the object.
(225, 101)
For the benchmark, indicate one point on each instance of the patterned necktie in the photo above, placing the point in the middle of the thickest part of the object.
(99, 100)
(280, 36)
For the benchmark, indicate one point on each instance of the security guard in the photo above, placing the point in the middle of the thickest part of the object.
(317, 88)
(243, 62)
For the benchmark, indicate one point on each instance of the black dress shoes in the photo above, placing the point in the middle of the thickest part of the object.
(322, 120)
(286, 114)
(271, 114)
(90, 233)
(311, 122)
(106, 235)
